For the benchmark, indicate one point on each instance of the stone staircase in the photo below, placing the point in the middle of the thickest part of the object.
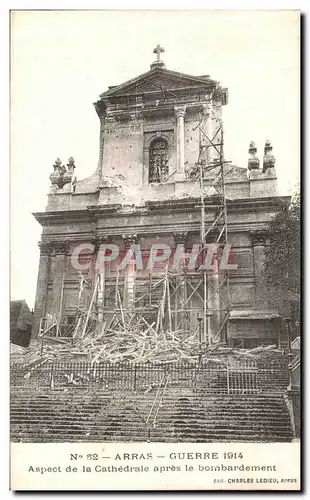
(78, 415)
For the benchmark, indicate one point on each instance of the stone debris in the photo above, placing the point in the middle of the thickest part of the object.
(126, 335)
(134, 340)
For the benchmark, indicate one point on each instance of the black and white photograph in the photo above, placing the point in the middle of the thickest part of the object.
(155, 241)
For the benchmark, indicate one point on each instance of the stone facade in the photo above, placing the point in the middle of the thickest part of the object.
(149, 131)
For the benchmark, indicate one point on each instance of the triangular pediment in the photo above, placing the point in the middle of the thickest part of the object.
(159, 80)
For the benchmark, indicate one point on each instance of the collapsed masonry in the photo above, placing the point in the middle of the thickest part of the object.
(161, 177)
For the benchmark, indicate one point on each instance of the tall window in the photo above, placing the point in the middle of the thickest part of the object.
(158, 162)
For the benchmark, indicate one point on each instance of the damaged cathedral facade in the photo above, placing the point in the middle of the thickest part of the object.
(162, 178)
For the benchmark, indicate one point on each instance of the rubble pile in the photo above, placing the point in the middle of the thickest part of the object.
(133, 340)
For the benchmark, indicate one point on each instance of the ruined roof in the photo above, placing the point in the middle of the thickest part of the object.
(18, 308)
(15, 307)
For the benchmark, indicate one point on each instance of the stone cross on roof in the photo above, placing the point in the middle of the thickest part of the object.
(158, 51)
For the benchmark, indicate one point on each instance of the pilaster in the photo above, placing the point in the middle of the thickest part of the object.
(59, 264)
(180, 114)
(100, 272)
(259, 239)
(129, 273)
(181, 315)
(208, 108)
(41, 292)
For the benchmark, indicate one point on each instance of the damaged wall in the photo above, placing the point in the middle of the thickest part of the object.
(147, 225)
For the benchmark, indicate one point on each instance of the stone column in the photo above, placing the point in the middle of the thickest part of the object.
(41, 293)
(59, 264)
(214, 291)
(102, 273)
(180, 238)
(258, 241)
(211, 152)
(129, 274)
(180, 113)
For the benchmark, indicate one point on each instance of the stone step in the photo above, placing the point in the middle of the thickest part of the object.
(205, 399)
(162, 430)
(188, 424)
(186, 392)
(199, 403)
(162, 411)
(167, 402)
(199, 408)
(65, 394)
(125, 420)
(153, 438)
(208, 421)
(56, 416)
(74, 392)
(166, 417)
(201, 412)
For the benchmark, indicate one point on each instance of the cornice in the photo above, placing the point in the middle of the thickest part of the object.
(94, 212)
(59, 216)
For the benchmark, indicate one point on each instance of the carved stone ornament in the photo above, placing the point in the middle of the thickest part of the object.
(158, 63)
(54, 247)
(217, 93)
(259, 237)
(46, 247)
(99, 240)
(69, 173)
(180, 237)
(61, 174)
(269, 159)
(180, 111)
(61, 247)
(130, 239)
(253, 161)
(56, 176)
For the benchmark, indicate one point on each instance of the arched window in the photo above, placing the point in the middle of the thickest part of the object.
(158, 161)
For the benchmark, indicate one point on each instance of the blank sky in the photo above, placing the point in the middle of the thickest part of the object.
(62, 61)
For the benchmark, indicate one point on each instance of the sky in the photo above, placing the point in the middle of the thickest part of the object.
(62, 60)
